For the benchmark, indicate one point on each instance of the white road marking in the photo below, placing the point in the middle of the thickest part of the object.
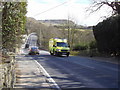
(54, 84)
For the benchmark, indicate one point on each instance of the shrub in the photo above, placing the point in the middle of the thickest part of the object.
(93, 44)
(80, 47)
(107, 35)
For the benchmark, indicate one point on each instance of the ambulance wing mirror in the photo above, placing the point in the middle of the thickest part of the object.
(69, 46)
(54, 45)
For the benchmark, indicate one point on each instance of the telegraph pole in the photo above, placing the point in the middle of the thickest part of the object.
(68, 31)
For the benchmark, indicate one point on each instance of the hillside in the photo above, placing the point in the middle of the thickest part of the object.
(56, 22)
(60, 23)
(45, 32)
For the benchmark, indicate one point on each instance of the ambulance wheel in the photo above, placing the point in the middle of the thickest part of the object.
(54, 53)
(51, 53)
(68, 55)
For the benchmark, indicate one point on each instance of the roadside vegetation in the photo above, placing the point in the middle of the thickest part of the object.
(12, 27)
(46, 32)
(13, 21)
(107, 33)
(80, 40)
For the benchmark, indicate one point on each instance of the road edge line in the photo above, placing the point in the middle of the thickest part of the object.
(48, 76)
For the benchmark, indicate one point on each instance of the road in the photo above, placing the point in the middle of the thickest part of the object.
(75, 71)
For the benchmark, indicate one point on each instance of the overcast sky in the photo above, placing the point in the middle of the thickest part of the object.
(62, 9)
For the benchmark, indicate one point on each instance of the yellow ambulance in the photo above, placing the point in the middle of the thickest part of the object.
(59, 47)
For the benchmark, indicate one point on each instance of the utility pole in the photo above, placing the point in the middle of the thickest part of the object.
(68, 30)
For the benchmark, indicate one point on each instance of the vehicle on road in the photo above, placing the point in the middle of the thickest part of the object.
(59, 47)
(26, 45)
(33, 50)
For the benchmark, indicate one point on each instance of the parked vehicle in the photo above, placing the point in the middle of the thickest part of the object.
(26, 46)
(33, 50)
(59, 47)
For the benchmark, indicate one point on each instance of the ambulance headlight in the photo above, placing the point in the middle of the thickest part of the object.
(58, 50)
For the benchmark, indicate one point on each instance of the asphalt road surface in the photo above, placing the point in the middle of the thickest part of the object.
(74, 71)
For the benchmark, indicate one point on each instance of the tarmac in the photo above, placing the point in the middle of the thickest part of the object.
(29, 75)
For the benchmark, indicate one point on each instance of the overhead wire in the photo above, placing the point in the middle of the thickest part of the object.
(52, 8)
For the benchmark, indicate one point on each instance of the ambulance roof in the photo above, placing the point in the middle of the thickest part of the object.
(60, 40)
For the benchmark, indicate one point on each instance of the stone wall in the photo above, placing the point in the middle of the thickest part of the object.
(7, 73)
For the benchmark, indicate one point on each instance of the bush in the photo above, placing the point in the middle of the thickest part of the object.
(93, 45)
(80, 47)
(107, 35)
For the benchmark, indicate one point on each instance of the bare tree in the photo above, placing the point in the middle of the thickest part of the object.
(97, 4)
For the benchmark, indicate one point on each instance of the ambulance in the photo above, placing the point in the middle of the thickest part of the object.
(59, 47)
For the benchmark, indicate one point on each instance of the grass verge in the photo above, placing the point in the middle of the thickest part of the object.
(88, 53)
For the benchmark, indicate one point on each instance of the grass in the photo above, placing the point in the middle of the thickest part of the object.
(74, 53)
(82, 30)
(87, 53)
(80, 53)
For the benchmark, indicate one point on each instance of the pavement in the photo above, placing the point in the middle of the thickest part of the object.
(29, 75)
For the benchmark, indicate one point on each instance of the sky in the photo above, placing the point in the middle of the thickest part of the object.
(75, 10)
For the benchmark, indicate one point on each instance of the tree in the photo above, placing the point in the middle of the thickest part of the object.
(107, 35)
(13, 23)
(0, 25)
(107, 32)
(44, 32)
(97, 4)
